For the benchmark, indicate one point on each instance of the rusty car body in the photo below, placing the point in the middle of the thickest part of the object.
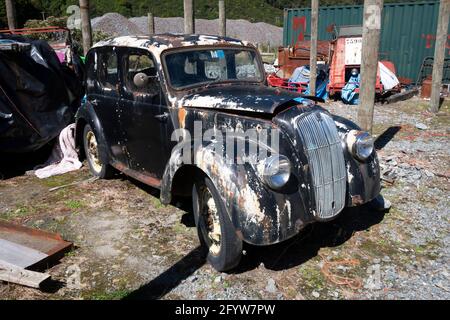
(331, 164)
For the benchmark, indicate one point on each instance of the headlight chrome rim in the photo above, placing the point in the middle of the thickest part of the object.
(275, 171)
(360, 144)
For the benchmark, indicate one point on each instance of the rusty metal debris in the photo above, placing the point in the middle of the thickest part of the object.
(51, 246)
(329, 271)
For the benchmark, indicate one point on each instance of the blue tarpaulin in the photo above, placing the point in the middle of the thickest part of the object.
(301, 74)
(348, 94)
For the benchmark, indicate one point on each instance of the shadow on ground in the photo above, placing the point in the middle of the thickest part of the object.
(306, 244)
(384, 138)
(285, 255)
(17, 164)
(171, 278)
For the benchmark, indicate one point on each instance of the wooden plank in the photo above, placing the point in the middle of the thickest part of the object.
(19, 255)
(15, 274)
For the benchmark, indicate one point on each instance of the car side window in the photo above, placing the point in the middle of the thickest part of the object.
(136, 63)
(108, 70)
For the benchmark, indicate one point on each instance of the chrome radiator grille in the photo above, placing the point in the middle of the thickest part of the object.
(326, 161)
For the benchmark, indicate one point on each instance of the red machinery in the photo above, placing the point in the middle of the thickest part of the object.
(291, 58)
(275, 81)
(345, 56)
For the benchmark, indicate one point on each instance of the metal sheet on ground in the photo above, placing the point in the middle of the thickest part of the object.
(49, 244)
(19, 255)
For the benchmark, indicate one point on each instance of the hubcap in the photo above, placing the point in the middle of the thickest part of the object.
(210, 215)
(93, 151)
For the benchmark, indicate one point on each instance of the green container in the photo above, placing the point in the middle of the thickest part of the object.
(408, 30)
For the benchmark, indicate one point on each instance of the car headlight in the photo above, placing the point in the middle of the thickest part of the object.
(275, 171)
(360, 144)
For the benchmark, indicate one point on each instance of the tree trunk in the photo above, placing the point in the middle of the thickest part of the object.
(369, 63)
(86, 29)
(222, 19)
(313, 51)
(11, 14)
(189, 18)
(439, 55)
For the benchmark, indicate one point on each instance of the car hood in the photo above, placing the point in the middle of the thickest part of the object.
(246, 98)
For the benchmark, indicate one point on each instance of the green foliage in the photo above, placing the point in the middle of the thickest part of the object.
(25, 10)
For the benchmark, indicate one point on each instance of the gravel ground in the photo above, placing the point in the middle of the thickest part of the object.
(130, 246)
(118, 25)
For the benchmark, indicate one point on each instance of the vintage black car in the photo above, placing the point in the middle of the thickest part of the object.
(186, 113)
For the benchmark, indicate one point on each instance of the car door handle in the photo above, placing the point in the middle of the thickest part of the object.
(162, 117)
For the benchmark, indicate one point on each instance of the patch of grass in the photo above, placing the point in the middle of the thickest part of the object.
(59, 180)
(70, 253)
(379, 248)
(114, 295)
(312, 277)
(427, 250)
(156, 203)
(74, 204)
(18, 212)
(179, 228)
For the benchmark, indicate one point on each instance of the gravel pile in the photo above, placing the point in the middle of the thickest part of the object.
(116, 24)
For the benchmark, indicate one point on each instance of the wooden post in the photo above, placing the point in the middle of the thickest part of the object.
(86, 29)
(11, 14)
(189, 18)
(439, 55)
(151, 24)
(222, 19)
(369, 63)
(313, 51)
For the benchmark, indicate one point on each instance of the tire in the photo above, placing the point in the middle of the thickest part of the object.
(215, 230)
(97, 168)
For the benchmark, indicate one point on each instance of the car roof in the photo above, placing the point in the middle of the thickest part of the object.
(161, 42)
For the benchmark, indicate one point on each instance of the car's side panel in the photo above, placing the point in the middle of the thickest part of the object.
(144, 117)
(104, 100)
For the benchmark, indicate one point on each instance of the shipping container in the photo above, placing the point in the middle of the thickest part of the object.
(408, 30)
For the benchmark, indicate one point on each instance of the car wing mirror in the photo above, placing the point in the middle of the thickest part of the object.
(141, 79)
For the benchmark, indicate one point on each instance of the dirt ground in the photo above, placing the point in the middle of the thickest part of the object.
(128, 245)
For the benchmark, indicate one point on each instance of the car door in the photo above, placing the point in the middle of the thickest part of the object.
(144, 115)
(103, 94)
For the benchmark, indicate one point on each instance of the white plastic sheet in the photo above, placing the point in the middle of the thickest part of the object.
(387, 77)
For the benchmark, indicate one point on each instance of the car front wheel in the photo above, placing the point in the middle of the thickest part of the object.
(98, 169)
(215, 230)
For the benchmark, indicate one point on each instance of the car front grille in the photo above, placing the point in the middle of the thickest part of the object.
(323, 149)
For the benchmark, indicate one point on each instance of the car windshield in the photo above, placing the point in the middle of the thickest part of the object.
(193, 67)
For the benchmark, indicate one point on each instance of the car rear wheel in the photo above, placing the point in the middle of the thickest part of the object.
(99, 169)
(215, 230)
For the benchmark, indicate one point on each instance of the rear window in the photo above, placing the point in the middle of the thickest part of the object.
(108, 75)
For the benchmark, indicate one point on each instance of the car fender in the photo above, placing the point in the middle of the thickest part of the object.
(363, 177)
(260, 215)
(86, 114)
